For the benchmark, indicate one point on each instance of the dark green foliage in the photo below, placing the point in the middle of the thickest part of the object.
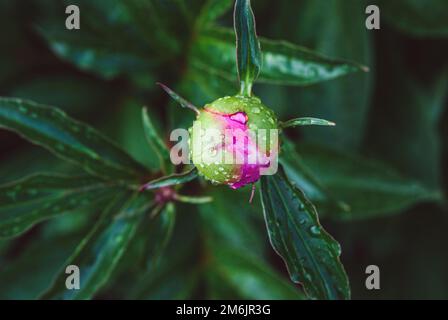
(377, 179)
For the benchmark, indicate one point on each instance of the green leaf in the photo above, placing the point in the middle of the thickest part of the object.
(68, 139)
(155, 141)
(236, 244)
(306, 121)
(311, 254)
(369, 187)
(100, 251)
(184, 103)
(283, 62)
(76, 94)
(415, 17)
(248, 51)
(176, 276)
(172, 180)
(36, 198)
(92, 54)
(46, 255)
(127, 129)
(109, 42)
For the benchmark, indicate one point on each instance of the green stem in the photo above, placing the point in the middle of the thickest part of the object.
(192, 200)
(246, 88)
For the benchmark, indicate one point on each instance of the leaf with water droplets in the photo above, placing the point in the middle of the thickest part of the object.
(28, 201)
(282, 62)
(248, 49)
(68, 139)
(100, 251)
(306, 121)
(310, 253)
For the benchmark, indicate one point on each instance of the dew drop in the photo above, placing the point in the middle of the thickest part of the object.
(315, 230)
(336, 247)
(256, 110)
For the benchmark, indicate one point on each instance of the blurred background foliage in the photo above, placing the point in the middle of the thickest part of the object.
(385, 160)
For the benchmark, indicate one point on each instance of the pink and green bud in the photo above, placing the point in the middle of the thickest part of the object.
(234, 140)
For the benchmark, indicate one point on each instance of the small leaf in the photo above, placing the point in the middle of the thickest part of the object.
(310, 253)
(248, 49)
(99, 253)
(172, 180)
(283, 62)
(33, 199)
(306, 121)
(155, 141)
(68, 139)
(184, 103)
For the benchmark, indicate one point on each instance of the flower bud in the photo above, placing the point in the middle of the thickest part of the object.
(233, 139)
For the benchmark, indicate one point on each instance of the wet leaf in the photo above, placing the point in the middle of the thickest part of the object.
(68, 139)
(31, 200)
(100, 251)
(310, 253)
(282, 62)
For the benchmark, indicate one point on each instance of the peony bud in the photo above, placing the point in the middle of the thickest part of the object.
(233, 139)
